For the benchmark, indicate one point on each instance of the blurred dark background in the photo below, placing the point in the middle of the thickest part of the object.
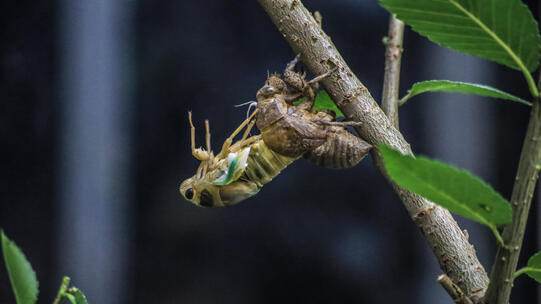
(93, 125)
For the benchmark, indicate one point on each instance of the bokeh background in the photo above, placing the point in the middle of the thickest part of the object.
(95, 141)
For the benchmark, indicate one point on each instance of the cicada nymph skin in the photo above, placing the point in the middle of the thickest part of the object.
(300, 130)
(236, 173)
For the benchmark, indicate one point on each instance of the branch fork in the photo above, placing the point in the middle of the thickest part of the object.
(455, 254)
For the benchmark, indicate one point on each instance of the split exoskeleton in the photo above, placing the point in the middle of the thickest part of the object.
(300, 130)
(288, 132)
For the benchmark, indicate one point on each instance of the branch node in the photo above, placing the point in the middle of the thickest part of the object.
(423, 212)
(353, 98)
(318, 18)
(453, 290)
(466, 234)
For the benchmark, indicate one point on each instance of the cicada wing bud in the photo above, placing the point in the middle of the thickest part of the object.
(236, 192)
(237, 163)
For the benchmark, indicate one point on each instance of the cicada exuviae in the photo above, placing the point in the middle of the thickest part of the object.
(300, 130)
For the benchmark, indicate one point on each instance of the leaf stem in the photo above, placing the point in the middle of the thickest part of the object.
(531, 83)
(523, 270)
(403, 100)
(62, 290)
(497, 235)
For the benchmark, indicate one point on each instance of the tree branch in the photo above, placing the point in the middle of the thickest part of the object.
(62, 290)
(505, 263)
(390, 104)
(455, 254)
(391, 79)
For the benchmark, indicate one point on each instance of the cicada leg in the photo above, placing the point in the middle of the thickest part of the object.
(229, 140)
(192, 134)
(316, 80)
(207, 134)
(245, 141)
(247, 131)
(296, 83)
(198, 153)
(291, 65)
(210, 155)
(204, 156)
(339, 123)
(291, 98)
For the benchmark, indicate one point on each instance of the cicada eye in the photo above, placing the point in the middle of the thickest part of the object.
(268, 90)
(189, 193)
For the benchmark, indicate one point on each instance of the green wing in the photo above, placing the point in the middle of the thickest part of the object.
(237, 165)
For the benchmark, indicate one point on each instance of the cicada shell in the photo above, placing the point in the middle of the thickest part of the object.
(296, 131)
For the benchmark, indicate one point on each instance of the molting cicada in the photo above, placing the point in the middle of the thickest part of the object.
(236, 173)
(288, 132)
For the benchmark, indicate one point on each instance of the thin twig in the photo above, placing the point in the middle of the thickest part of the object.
(62, 290)
(455, 254)
(391, 79)
(390, 104)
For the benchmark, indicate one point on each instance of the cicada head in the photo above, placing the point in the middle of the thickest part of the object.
(274, 85)
(205, 194)
(222, 186)
(200, 192)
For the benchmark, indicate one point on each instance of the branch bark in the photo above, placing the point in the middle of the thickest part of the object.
(505, 263)
(391, 78)
(455, 254)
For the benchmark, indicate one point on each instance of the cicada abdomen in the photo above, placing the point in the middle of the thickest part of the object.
(340, 150)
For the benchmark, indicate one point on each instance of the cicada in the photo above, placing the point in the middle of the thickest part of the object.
(299, 130)
(236, 173)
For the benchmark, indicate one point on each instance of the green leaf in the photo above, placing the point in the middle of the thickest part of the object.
(452, 188)
(459, 87)
(503, 31)
(79, 296)
(22, 277)
(323, 102)
(534, 268)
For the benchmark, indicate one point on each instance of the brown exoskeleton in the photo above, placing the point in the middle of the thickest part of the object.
(295, 131)
(236, 173)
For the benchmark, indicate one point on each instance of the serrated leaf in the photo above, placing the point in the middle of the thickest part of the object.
(323, 102)
(459, 87)
(452, 188)
(503, 31)
(534, 267)
(21, 275)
